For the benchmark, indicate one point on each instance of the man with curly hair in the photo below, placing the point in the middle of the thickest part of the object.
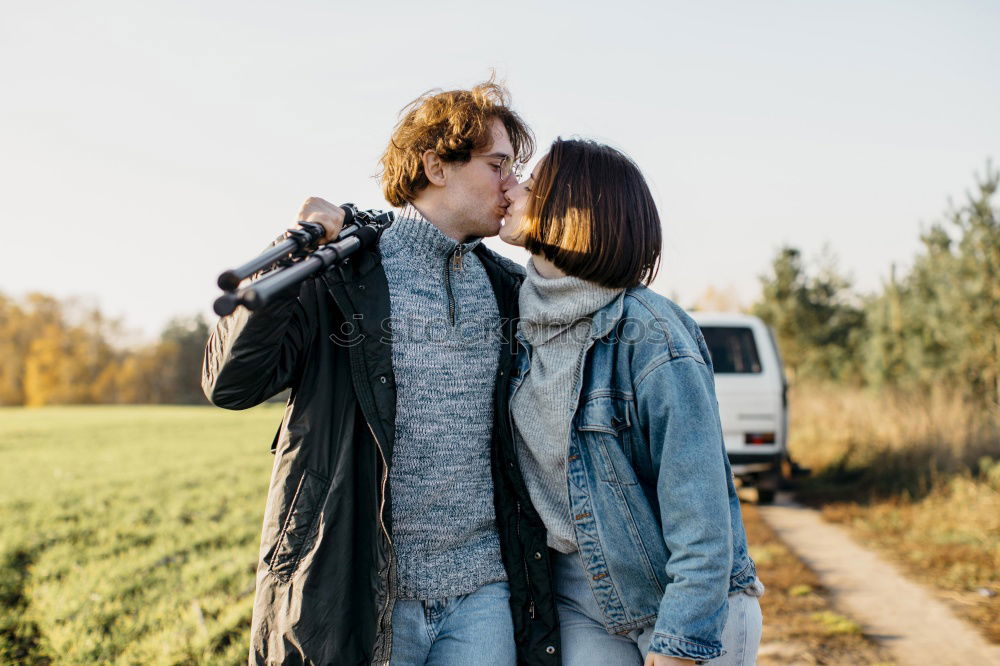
(386, 511)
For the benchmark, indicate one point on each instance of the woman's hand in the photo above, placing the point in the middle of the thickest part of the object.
(653, 659)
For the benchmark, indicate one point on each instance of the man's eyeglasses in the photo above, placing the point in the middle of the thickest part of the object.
(505, 165)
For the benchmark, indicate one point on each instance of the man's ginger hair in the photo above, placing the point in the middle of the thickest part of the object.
(454, 124)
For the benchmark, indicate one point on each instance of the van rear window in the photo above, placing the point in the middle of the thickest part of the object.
(733, 349)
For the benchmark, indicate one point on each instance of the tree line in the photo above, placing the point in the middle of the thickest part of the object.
(932, 327)
(54, 352)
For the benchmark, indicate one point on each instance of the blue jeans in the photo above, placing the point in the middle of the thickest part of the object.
(586, 642)
(474, 628)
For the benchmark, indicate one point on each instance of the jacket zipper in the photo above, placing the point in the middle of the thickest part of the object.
(388, 537)
(524, 561)
(517, 525)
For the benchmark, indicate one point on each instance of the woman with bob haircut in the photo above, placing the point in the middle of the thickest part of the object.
(617, 432)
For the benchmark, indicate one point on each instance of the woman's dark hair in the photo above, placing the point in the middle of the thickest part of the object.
(592, 215)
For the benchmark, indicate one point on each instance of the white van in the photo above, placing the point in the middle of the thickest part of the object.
(753, 397)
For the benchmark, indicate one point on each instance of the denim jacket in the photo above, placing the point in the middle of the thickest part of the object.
(652, 499)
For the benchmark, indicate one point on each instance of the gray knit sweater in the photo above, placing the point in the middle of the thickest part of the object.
(445, 350)
(556, 322)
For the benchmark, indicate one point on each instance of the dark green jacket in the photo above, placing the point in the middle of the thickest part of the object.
(325, 574)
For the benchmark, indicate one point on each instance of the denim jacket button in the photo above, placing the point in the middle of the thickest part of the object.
(538, 555)
(550, 650)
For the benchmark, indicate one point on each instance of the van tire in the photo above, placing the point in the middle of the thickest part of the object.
(768, 484)
(765, 496)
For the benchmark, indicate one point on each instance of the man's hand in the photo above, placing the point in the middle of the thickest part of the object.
(653, 659)
(324, 213)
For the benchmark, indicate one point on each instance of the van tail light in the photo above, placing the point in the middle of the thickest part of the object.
(760, 438)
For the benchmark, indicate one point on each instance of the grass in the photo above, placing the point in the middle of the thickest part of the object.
(129, 534)
(918, 477)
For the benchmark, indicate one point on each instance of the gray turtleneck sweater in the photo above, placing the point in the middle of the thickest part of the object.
(556, 322)
(445, 350)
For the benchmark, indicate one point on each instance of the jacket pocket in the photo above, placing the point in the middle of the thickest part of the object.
(603, 424)
(300, 526)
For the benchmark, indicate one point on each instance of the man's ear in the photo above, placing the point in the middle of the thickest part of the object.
(433, 168)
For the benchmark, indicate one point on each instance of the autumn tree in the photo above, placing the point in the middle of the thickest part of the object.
(55, 352)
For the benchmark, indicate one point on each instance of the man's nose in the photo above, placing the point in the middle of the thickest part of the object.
(509, 183)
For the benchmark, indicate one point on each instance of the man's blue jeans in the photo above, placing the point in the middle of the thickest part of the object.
(474, 628)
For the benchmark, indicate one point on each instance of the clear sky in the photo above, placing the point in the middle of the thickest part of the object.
(145, 146)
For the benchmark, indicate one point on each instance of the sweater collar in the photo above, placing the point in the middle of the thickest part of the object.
(550, 306)
(418, 237)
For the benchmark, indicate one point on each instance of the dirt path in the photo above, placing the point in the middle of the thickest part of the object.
(893, 610)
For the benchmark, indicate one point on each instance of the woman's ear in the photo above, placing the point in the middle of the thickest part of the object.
(433, 168)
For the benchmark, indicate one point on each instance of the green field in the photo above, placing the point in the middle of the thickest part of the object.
(129, 535)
